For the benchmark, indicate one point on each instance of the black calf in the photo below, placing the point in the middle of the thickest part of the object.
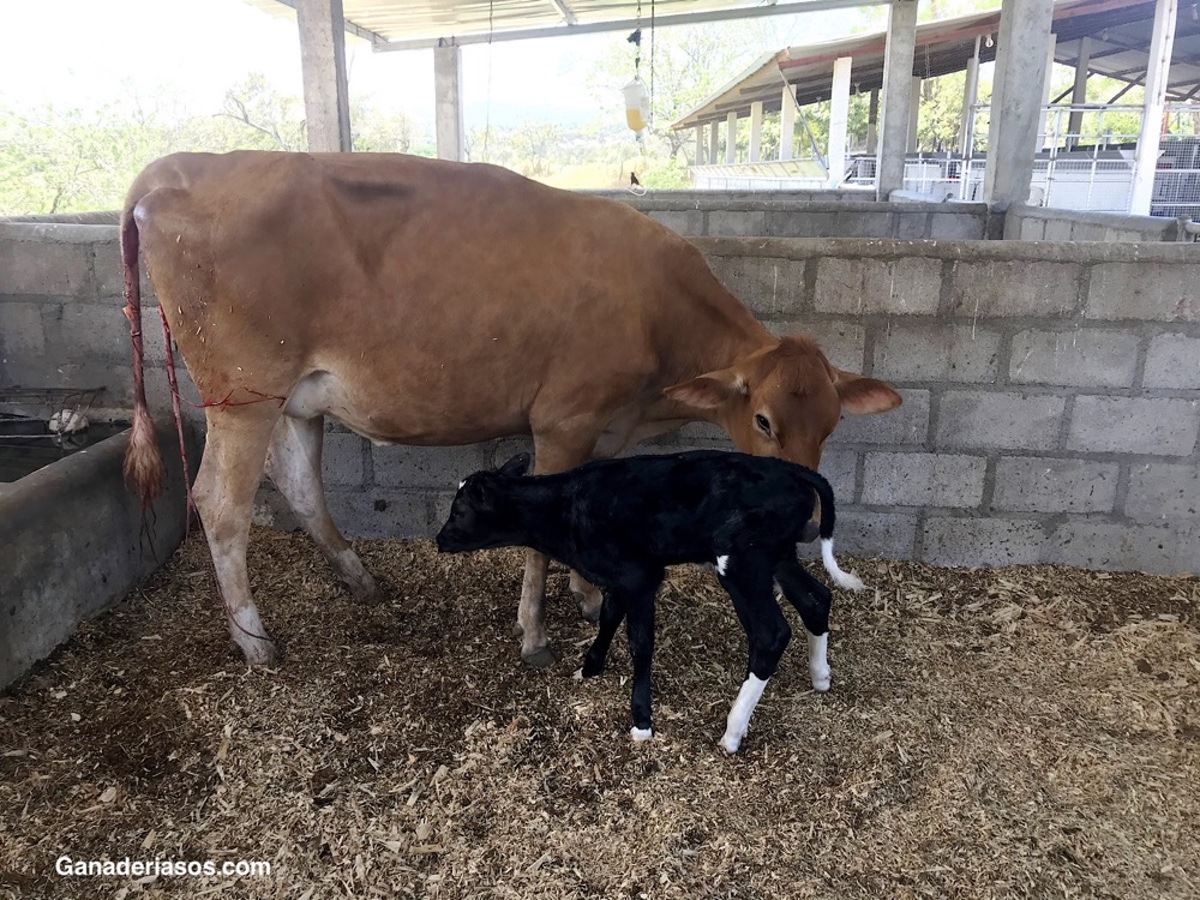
(619, 522)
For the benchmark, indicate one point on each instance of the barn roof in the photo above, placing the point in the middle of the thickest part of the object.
(414, 24)
(1120, 40)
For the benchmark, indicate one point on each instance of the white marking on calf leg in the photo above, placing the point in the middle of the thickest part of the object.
(722, 562)
(847, 580)
(738, 722)
(641, 735)
(818, 664)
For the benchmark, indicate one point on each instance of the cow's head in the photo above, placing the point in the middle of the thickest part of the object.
(784, 400)
(482, 514)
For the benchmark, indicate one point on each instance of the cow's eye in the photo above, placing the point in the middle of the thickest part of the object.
(763, 425)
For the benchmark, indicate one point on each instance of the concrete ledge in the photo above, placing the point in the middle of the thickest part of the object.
(1037, 223)
(71, 545)
(1082, 253)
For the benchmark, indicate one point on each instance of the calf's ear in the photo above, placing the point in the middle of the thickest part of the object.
(863, 396)
(708, 391)
(518, 465)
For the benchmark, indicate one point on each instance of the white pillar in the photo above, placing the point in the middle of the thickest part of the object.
(1048, 120)
(447, 102)
(699, 145)
(839, 119)
(731, 137)
(914, 114)
(323, 65)
(1017, 97)
(787, 124)
(756, 117)
(1083, 59)
(714, 142)
(897, 81)
(1162, 42)
(970, 98)
(873, 122)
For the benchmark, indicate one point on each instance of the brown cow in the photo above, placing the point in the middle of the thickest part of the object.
(435, 303)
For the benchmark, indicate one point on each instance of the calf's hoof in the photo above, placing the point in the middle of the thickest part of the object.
(730, 744)
(591, 668)
(540, 658)
(640, 735)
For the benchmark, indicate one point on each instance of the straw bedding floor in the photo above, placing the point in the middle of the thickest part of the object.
(1024, 732)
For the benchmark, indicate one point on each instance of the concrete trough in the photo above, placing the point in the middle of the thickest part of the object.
(73, 542)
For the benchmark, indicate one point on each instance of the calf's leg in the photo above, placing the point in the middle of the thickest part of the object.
(234, 452)
(639, 624)
(294, 465)
(612, 611)
(811, 600)
(748, 583)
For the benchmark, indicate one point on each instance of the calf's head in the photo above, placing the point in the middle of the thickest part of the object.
(784, 400)
(482, 515)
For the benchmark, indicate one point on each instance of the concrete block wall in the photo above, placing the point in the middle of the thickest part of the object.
(806, 214)
(1038, 223)
(1052, 391)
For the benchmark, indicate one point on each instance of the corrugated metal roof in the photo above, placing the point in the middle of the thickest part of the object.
(1120, 39)
(402, 24)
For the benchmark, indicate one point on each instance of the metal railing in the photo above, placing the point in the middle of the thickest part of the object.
(1084, 162)
(1086, 157)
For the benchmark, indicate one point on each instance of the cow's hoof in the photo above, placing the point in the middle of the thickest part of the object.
(260, 653)
(364, 590)
(589, 609)
(540, 658)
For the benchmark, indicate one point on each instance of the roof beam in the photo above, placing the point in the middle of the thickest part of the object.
(567, 13)
(716, 15)
(358, 31)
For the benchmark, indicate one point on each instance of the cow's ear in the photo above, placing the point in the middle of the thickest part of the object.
(516, 466)
(708, 391)
(863, 396)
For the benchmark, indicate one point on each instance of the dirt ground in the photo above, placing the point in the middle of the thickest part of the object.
(1021, 732)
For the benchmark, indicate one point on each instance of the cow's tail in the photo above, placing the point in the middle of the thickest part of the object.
(143, 462)
(847, 580)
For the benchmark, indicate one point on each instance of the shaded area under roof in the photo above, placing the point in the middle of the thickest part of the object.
(1119, 30)
(413, 24)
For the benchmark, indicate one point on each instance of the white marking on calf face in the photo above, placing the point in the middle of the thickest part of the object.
(818, 664)
(461, 483)
(722, 561)
(738, 722)
(641, 735)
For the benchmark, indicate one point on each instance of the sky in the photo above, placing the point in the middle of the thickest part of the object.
(90, 53)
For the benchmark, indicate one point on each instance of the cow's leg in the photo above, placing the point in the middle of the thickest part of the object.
(748, 582)
(294, 465)
(553, 452)
(812, 600)
(588, 596)
(234, 453)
